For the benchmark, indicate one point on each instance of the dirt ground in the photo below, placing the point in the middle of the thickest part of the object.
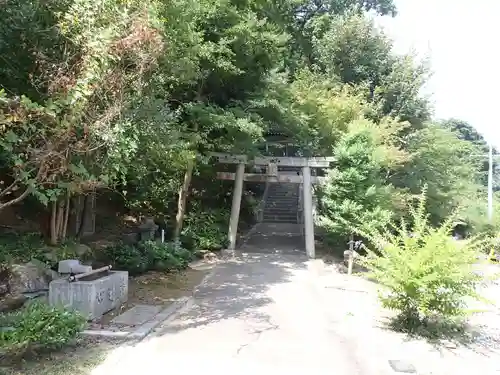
(78, 359)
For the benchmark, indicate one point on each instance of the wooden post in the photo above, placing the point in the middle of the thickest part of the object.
(308, 212)
(235, 208)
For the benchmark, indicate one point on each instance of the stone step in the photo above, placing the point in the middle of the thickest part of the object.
(280, 217)
(279, 220)
(274, 214)
(281, 203)
(281, 208)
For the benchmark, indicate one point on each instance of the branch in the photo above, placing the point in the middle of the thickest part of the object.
(9, 188)
(16, 200)
(24, 194)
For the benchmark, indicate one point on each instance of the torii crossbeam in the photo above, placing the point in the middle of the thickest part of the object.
(273, 176)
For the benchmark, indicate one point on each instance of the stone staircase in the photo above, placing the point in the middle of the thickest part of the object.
(282, 203)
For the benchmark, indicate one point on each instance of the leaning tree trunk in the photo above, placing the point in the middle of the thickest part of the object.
(181, 203)
(184, 192)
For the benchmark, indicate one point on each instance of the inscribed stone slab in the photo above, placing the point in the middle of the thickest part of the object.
(137, 315)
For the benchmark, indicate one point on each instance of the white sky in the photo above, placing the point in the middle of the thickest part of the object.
(462, 37)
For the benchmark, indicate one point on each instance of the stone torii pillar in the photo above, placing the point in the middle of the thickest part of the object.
(308, 212)
(235, 207)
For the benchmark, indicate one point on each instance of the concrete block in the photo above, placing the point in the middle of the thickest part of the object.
(92, 298)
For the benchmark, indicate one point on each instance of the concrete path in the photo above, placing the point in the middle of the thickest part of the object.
(257, 312)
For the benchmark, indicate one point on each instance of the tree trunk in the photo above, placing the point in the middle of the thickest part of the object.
(60, 217)
(184, 190)
(66, 216)
(53, 227)
(181, 203)
(83, 217)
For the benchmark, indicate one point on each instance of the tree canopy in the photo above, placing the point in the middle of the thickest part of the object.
(132, 96)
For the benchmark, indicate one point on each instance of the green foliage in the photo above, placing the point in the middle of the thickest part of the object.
(126, 258)
(148, 255)
(441, 161)
(20, 248)
(353, 48)
(207, 229)
(127, 94)
(355, 193)
(425, 274)
(466, 132)
(165, 256)
(38, 327)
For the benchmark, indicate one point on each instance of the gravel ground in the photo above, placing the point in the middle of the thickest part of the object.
(353, 309)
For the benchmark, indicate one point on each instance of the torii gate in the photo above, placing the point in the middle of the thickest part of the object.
(273, 176)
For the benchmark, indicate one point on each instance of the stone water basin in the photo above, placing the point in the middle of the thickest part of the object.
(93, 295)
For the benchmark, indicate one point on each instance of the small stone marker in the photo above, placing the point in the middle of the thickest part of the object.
(148, 229)
(137, 315)
(402, 366)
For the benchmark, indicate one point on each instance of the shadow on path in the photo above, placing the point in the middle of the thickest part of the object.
(238, 289)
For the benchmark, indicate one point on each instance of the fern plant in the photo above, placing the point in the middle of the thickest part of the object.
(424, 272)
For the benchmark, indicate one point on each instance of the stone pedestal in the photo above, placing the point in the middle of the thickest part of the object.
(92, 298)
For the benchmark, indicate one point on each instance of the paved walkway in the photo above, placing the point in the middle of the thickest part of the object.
(260, 311)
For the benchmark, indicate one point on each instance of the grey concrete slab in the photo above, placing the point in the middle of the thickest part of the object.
(137, 315)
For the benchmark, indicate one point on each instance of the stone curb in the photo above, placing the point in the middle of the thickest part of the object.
(145, 329)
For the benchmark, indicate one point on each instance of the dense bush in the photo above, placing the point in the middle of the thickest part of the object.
(206, 230)
(38, 327)
(165, 256)
(126, 258)
(426, 274)
(148, 255)
(20, 248)
(354, 192)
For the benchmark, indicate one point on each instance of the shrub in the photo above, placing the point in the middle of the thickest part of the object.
(165, 256)
(38, 327)
(354, 192)
(207, 230)
(127, 258)
(148, 255)
(426, 274)
(15, 247)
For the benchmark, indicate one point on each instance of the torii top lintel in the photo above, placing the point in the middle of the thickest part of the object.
(314, 162)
